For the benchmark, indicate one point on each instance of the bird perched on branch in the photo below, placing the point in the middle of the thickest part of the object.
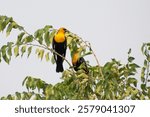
(59, 45)
(79, 62)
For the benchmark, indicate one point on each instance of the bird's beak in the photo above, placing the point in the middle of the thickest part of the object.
(66, 30)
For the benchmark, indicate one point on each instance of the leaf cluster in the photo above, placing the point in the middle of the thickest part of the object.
(114, 80)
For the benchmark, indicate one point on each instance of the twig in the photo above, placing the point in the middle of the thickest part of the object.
(100, 70)
(53, 51)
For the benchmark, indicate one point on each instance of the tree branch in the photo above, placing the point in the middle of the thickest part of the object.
(51, 50)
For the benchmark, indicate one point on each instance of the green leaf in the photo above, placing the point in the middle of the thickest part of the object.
(4, 22)
(18, 95)
(148, 44)
(37, 50)
(10, 97)
(46, 38)
(9, 28)
(108, 66)
(3, 50)
(142, 48)
(15, 25)
(130, 59)
(16, 51)
(49, 91)
(53, 60)
(2, 19)
(3, 25)
(143, 87)
(36, 34)
(40, 84)
(143, 74)
(132, 81)
(148, 58)
(39, 35)
(23, 83)
(47, 56)
(88, 53)
(9, 51)
(133, 65)
(25, 96)
(47, 27)
(40, 40)
(69, 40)
(29, 50)
(145, 63)
(146, 53)
(28, 39)
(23, 50)
(52, 35)
(19, 39)
(41, 54)
(6, 58)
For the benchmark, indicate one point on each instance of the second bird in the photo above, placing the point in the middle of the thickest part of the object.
(59, 45)
(77, 61)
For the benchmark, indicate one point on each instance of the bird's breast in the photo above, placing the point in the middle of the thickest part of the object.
(75, 58)
(59, 38)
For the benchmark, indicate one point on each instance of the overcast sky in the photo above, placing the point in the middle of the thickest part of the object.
(111, 26)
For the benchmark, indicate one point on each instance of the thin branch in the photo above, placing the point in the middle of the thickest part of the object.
(100, 70)
(53, 51)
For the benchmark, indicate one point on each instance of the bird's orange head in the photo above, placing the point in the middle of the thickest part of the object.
(62, 30)
(75, 58)
(76, 55)
(60, 35)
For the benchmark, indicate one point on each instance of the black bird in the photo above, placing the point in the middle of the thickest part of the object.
(60, 46)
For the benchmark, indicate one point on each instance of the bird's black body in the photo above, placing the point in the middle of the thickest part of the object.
(60, 48)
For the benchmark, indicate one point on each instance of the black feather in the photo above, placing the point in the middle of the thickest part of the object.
(60, 48)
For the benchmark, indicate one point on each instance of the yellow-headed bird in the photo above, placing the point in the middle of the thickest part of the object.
(77, 61)
(59, 45)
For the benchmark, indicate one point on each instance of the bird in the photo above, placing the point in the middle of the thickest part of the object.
(59, 45)
(77, 61)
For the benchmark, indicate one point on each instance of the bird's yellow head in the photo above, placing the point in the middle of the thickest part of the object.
(62, 30)
(76, 55)
(75, 58)
(60, 35)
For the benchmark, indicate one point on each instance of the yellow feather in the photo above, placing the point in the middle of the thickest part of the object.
(75, 58)
(60, 36)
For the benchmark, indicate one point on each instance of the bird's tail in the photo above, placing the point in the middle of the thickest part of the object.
(59, 65)
(59, 68)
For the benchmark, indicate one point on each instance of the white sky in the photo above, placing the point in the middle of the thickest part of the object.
(111, 26)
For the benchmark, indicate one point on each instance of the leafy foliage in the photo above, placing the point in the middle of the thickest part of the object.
(114, 80)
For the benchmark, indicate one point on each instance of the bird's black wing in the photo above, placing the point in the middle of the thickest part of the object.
(82, 61)
(53, 46)
(65, 47)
